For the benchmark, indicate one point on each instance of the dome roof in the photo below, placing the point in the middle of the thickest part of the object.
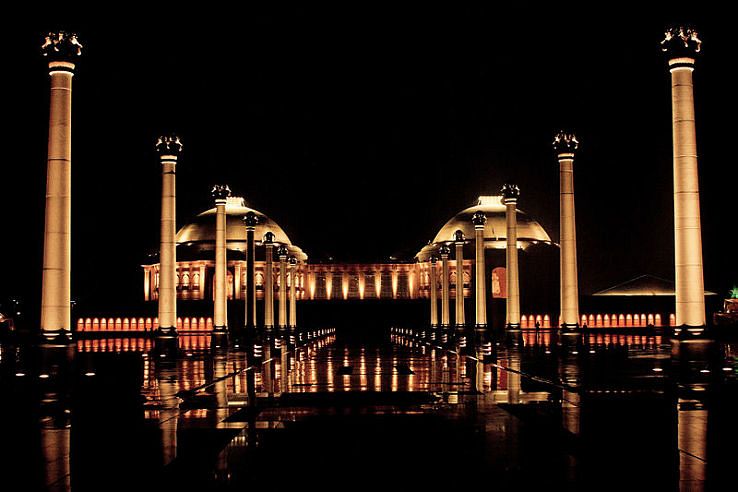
(495, 229)
(201, 231)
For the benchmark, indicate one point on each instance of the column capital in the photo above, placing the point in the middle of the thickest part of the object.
(681, 45)
(433, 259)
(169, 147)
(459, 238)
(479, 219)
(510, 193)
(250, 220)
(444, 251)
(268, 239)
(282, 252)
(565, 145)
(61, 49)
(293, 261)
(220, 193)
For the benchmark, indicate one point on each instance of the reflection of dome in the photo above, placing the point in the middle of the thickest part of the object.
(200, 233)
(495, 229)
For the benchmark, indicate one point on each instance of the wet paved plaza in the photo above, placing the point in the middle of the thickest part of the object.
(400, 408)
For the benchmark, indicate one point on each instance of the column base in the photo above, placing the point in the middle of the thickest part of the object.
(686, 332)
(166, 346)
(570, 329)
(513, 327)
(56, 338)
(164, 332)
(219, 339)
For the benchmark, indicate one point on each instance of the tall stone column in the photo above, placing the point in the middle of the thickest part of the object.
(681, 46)
(169, 147)
(293, 292)
(220, 319)
(479, 219)
(459, 241)
(250, 220)
(282, 254)
(268, 282)
(565, 145)
(61, 50)
(510, 194)
(433, 292)
(444, 251)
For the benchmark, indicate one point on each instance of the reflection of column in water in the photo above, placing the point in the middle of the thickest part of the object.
(284, 366)
(250, 378)
(570, 398)
(221, 387)
(362, 370)
(513, 379)
(55, 446)
(459, 365)
(692, 442)
(378, 372)
(570, 410)
(169, 413)
(266, 369)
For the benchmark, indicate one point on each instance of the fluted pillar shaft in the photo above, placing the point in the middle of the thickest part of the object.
(690, 289)
(283, 291)
(220, 315)
(167, 248)
(268, 288)
(480, 276)
(433, 292)
(445, 291)
(568, 254)
(293, 296)
(460, 318)
(57, 266)
(511, 267)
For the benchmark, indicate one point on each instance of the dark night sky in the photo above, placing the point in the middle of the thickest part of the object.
(382, 123)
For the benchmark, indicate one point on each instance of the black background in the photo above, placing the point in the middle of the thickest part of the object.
(362, 129)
